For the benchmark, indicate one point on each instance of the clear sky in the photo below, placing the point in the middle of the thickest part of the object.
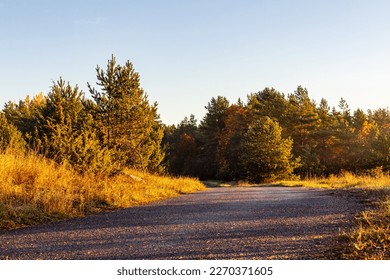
(189, 51)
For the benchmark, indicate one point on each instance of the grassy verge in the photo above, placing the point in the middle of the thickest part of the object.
(35, 190)
(371, 237)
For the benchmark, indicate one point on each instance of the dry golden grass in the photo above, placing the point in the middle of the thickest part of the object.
(34, 190)
(375, 180)
(371, 237)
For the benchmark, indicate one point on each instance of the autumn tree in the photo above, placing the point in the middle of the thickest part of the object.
(229, 143)
(365, 132)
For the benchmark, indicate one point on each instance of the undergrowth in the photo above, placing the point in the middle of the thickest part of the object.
(371, 239)
(35, 190)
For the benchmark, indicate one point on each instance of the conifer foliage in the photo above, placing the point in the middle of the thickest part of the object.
(271, 136)
(275, 136)
(117, 129)
(66, 133)
(10, 136)
(129, 125)
(265, 154)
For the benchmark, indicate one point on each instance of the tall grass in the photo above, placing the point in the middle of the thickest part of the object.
(374, 180)
(371, 237)
(371, 240)
(34, 189)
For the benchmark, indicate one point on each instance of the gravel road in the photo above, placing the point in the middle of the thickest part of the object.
(219, 223)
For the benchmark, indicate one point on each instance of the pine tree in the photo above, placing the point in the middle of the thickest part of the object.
(265, 154)
(345, 111)
(25, 115)
(65, 131)
(129, 125)
(182, 142)
(322, 136)
(210, 130)
(268, 103)
(381, 145)
(10, 137)
(301, 124)
(382, 149)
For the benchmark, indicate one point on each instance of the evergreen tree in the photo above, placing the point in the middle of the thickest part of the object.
(25, 115)
(10, 136)
(343, 138)
(266, 156)
(210, 130)
(65, 131)
(345, 111)
(182, 149)
(382, 150)
(301, 124)
(268, 103)
(381, 145)
(381, 118)
(129, 125)
(322, 136)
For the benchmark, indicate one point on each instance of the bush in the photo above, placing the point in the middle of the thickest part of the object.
(10, 137)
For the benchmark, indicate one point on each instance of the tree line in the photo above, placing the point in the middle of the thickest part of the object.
(275, 136)
(270, 136)
(115, 129)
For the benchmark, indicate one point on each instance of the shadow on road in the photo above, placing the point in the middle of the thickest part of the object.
(229, 222)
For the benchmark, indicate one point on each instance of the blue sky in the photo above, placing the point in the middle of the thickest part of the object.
(189, 51)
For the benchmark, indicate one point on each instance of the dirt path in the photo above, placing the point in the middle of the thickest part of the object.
(219, 223)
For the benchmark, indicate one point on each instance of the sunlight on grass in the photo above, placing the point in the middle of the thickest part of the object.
(372, 239)
(34, 189)
(376, 179)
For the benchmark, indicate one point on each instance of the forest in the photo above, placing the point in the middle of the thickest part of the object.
(270, 136)
(275, 136)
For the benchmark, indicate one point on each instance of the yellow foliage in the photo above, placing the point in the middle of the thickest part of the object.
(39, 99)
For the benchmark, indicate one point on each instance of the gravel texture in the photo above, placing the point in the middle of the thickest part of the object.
(219, 223)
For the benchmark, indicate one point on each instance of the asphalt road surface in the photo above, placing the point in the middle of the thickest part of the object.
(219, 223)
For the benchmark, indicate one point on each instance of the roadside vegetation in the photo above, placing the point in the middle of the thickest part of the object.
(64, 155)
(370, 238)
(274, 136)
(34, 189)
